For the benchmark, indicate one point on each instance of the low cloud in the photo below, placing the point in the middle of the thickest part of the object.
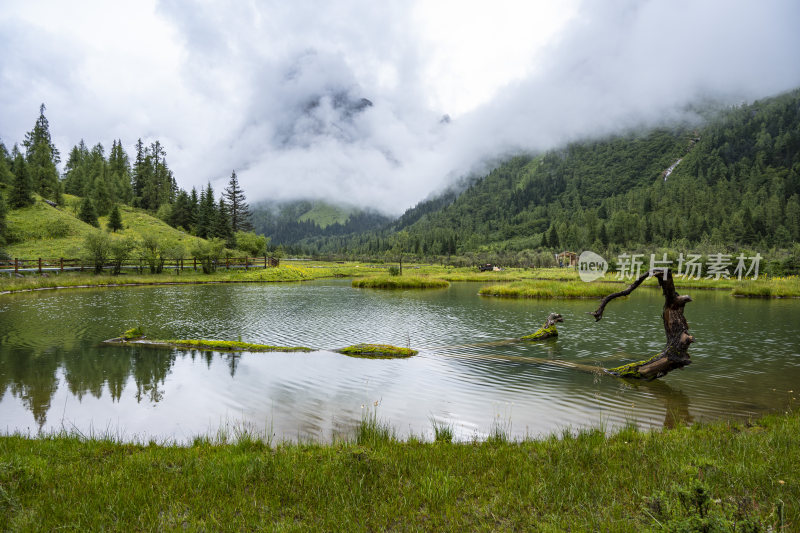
(339, 101)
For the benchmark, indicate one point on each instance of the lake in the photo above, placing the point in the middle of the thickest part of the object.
(55, 374)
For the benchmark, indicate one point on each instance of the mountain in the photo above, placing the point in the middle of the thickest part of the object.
(289, 223)
(732, 181)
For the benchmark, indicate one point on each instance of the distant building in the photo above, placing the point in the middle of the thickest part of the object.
(567, 259)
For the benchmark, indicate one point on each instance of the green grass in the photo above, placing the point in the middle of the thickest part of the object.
(550, 289)
(788, 287)
(400, 282)
(48, 232)
(377, 351)
(670, 480)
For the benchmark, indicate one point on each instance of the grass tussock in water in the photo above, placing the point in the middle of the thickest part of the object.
(716, 477)
(377, 350)
(550, 289)
(788, 287)
(400, 282)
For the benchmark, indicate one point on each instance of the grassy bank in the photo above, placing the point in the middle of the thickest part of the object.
(400, 282)
(285, 272)
(724, 474)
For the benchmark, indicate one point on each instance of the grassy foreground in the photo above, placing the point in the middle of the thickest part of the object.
(718, 477)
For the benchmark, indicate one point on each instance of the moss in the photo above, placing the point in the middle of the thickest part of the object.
(136, 335)
(231, 346)
(377, 350)
(542, 333)
(631, 370)
(133, 333)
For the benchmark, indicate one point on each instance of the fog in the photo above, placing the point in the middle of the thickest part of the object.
(377, 103)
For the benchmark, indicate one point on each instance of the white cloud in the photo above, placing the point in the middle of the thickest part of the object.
(274, 89)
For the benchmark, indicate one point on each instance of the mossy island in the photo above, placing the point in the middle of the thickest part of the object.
(377, 351)
(135, 336)
(548, 329)
(400, 282)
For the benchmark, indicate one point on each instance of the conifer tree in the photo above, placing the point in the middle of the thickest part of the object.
(21, 191)
(119, 173)
(75, 172)
(222, 224)
(115, 219)
(206, 213)
(87, 212)
(2, 220)
(6, 175)
(42, 157)
(237, 205)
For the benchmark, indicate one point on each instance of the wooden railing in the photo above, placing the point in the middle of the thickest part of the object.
(61, 264)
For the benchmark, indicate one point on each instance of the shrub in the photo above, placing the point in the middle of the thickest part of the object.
(250, 243)
(120, 251)
(208, 253)
(97, 248)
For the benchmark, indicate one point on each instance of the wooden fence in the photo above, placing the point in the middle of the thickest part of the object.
(61, 264)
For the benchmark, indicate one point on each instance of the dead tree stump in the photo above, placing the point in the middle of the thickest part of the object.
(547, 330)
(675, 353)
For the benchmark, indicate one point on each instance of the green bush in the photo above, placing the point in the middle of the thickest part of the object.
(208, 253)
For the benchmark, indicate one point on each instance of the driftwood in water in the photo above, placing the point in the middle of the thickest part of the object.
(547, 330)
(675, 353)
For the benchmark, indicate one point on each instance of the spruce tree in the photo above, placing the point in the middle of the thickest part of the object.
(42, 156)
(2, 220)
(21, 191)
(207, 212)
(119, 173)
(222, 224)
(552, 239)
(5, 166)
(75, 171)
(237, 205)
(115, 219)
(87, 212)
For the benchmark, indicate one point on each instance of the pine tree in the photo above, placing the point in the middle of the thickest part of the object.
(2, 219)
(552, 239)
(42, 156)
(21, 191)
(222, 224)
(87, 212)
(207, 213)
(237, 205)
(6, 175)
(75, 172)
(119, 173)
(115, 219)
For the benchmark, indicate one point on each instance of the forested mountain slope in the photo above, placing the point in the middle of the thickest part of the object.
(737, 183)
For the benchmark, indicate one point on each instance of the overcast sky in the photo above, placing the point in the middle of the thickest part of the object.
(274, 89)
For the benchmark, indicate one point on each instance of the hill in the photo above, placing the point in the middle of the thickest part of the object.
(51, 232)
(734, 181)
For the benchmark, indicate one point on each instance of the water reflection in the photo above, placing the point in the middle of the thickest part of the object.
(469, 372)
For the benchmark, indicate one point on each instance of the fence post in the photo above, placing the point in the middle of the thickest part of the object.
(245, 263)
(265, 261)
(61, 264)
(195, 264)
(40, 265)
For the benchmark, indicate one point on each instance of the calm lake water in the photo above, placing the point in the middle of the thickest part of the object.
(55, 373)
